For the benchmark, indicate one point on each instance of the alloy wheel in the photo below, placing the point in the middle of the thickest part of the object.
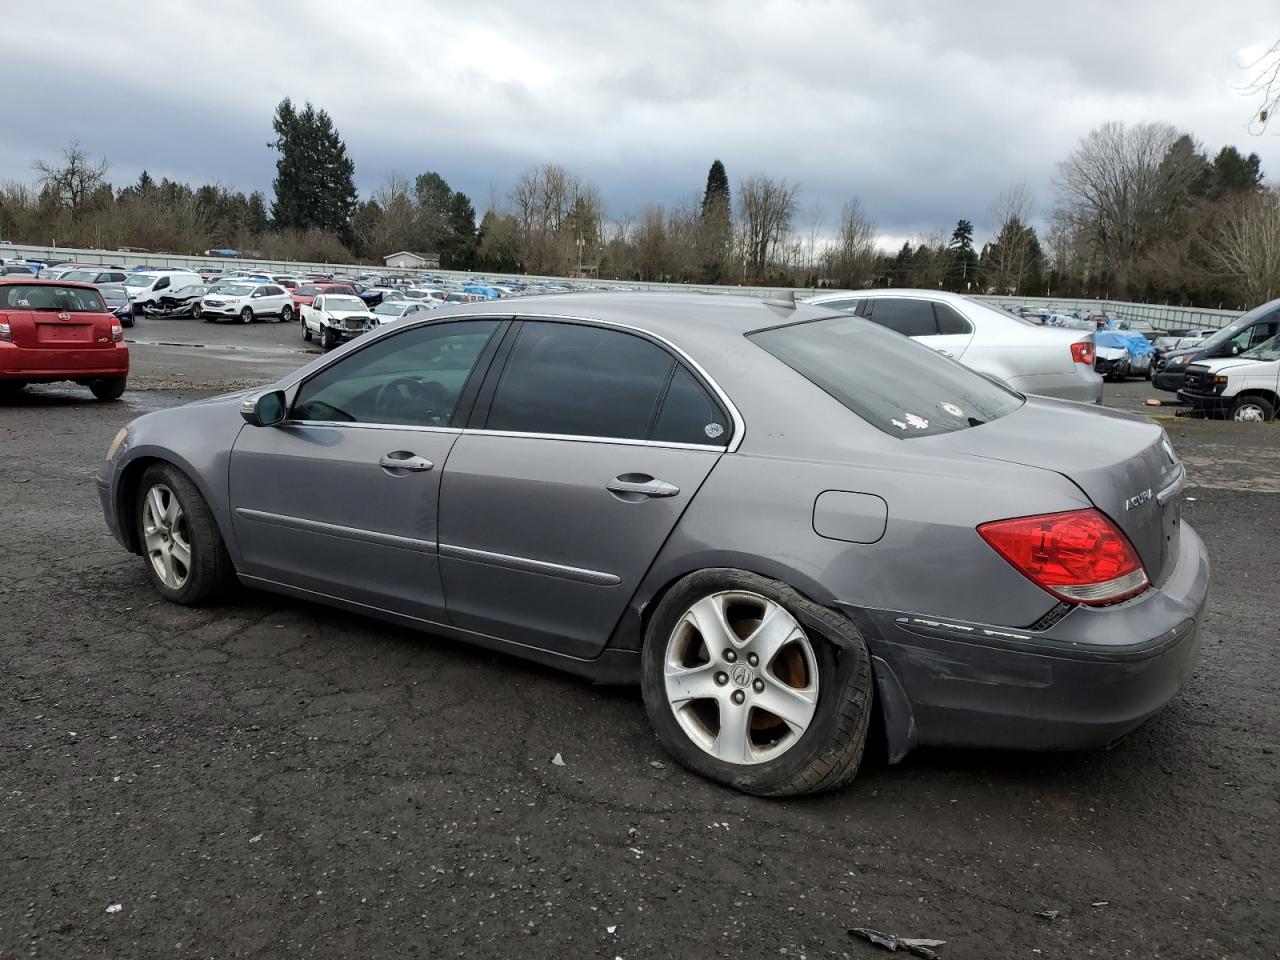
(741, 677)
(167, 538)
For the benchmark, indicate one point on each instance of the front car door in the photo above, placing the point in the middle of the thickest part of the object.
(587, 444)
(341, 498)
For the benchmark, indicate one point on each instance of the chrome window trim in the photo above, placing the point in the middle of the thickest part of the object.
(739, 425)
(622, 441)
(337, 530)
(331, 424)
(562, 571)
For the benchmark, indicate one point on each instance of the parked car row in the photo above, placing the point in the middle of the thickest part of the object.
(1234, 372)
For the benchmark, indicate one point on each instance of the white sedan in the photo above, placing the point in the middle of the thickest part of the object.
(390, 310)
(334, 318)
(1030, 358)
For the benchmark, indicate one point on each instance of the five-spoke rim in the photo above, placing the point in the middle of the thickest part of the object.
(741, 677)
(168, 541)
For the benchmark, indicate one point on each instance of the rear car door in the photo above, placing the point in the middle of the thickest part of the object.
(955, 331)
(341, 498)
(587, 444)
(909, 316)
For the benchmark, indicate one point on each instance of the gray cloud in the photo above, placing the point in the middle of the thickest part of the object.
(924, 111)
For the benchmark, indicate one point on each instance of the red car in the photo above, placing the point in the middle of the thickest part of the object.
(307, 293)
(50, 331)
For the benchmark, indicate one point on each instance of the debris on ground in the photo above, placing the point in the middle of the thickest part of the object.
(633, 835)
(557, 761)
(115, 908)
(1100, 903)
(1048, 914)
(656, 764)
(613, 929)
(912, 945)
(1154, 402)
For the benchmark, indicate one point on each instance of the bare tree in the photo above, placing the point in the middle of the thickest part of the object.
(1006, 259)
(1124, 183)
(851, 260)
(77, 180)
(1265, 85)
(765, 208)
(1245, 246)
(561, 219)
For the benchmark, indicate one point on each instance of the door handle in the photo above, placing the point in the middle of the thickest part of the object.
(946, 353)
(634, 486)
(404, 460)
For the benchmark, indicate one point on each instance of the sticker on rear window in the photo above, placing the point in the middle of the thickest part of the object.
(713, 430)
(952, 409)
(920, 423)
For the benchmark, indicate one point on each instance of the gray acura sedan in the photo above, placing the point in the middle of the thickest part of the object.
(779, 519)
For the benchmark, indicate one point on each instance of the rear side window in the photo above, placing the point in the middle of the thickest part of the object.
(576, 380)
(902, 388)
(950, 321)
(20, 296)
(689, 414)
(912, 318)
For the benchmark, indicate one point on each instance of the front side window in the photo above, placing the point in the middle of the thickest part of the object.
(577, 380)
(21, 296)
(162, 283)
(911, 318)
(900, 387)
(413, 378)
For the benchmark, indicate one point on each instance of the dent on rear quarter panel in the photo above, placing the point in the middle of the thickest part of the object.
(756, 513)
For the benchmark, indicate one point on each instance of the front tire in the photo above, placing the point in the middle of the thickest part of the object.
(246, 315)
(286, 314)
(327, 341)
(306, 332)
(1252, 409)
(111, 388)
(182, 548)
(750, 684)
(197, 311)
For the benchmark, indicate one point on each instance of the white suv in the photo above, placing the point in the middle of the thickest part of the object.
(248, 302)
(1246, 387)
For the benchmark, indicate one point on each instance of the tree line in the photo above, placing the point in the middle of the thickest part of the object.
(1140, 211)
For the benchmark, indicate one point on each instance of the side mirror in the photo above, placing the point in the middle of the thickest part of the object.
(263, 409)
(1235, 349)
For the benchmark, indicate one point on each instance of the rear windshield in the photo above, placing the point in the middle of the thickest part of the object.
(20, 296)
(895, 384)
(309, 290)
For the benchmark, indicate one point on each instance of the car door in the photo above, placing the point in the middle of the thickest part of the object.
(586, 447)
(341, 498)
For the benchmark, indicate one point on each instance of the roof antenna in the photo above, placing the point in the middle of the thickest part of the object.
(785, 299)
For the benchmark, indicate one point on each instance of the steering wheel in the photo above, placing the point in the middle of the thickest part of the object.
(413, 399)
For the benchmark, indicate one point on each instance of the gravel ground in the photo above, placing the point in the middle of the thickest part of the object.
(273, 779)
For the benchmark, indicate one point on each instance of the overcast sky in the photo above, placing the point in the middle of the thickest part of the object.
(923, 110)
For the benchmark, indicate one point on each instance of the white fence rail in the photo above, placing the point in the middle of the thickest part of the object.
(1160, 315)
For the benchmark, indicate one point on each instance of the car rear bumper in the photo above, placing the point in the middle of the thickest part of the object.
(33, 363)
(1083, 682)
(1082, 385)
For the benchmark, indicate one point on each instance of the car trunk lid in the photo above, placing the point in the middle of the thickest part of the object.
(1124, 465)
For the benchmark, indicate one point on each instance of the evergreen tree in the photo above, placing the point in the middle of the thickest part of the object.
(145, 184)
(1234, 173)
(434, 196)
(314, 182)
(256, 219)
(901, 269)
(460, 253)
(963, 266)
(715, 229)
(717, 192)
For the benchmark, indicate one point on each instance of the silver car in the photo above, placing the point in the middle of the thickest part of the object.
(1031, 358)
(778, 519)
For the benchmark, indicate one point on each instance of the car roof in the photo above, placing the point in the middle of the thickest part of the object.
(45, 282)
(694, 319)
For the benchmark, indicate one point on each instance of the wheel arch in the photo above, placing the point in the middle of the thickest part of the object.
(130, 479)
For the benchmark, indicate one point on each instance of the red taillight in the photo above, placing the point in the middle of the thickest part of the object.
(1082, 352)
(1079, 556)
(5, 332)
(117, 331)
